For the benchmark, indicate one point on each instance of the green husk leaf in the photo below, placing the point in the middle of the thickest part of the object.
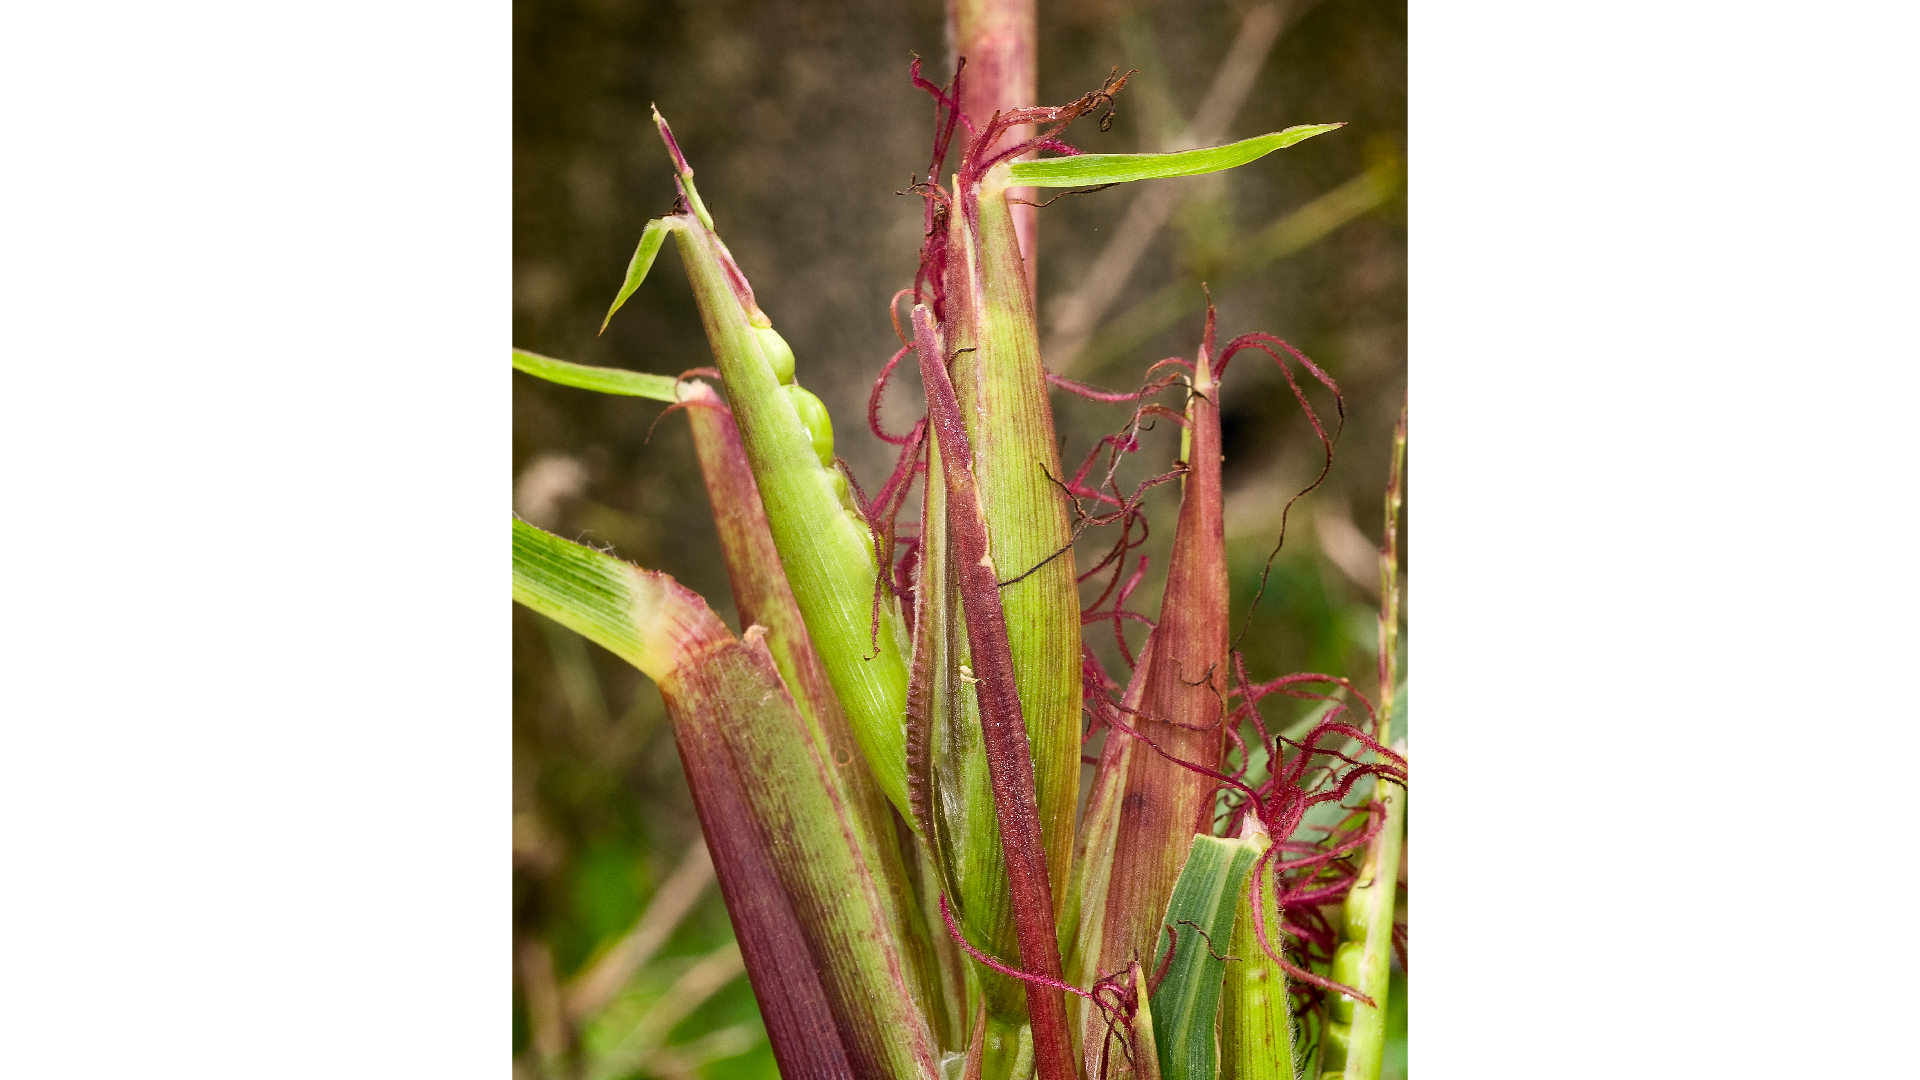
(1201, 912)
(763, 598)
(1257, 1031)
(996, 371)
(962, 833)
(1087, 170)
(604, 380)
(650, 240)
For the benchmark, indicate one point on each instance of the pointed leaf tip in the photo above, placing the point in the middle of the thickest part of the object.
(650, 240)
(1087, 170)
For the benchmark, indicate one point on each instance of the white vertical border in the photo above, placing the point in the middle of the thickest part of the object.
(1663, 378)
(254, 743)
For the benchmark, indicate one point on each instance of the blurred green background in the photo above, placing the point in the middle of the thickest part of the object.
(798, 118)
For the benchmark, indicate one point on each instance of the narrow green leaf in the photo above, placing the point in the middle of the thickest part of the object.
(650, 240)
(1201, 914)
(603, 380)
(1087, 170)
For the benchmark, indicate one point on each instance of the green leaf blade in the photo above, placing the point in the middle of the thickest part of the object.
(603, 380)
(645, 618)
(650, 240)
(1088, 170)
(1201, 911)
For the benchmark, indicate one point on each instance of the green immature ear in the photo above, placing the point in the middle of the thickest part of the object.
(827, 554)
(813, 413)
(1086, 170)
(779, 354)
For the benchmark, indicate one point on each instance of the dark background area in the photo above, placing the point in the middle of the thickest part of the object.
(801, 125)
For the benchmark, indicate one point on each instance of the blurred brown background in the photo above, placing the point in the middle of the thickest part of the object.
(800, 123)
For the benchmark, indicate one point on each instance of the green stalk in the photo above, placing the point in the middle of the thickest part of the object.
(1370, 903)
(989, 328)
(1369, 926)
(825, 550)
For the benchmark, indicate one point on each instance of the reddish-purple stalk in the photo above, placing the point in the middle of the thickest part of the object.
(996, 41)
(1009, 759)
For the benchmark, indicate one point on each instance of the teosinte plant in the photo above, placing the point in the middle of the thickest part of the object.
(887, 760)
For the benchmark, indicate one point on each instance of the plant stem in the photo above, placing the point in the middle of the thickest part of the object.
(1389, 637)
(997, 39)
(1370, 904)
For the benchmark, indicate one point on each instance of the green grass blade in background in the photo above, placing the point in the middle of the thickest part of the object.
(1201, 912)
(604, 380)
(1087, 170)
(650, 240)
